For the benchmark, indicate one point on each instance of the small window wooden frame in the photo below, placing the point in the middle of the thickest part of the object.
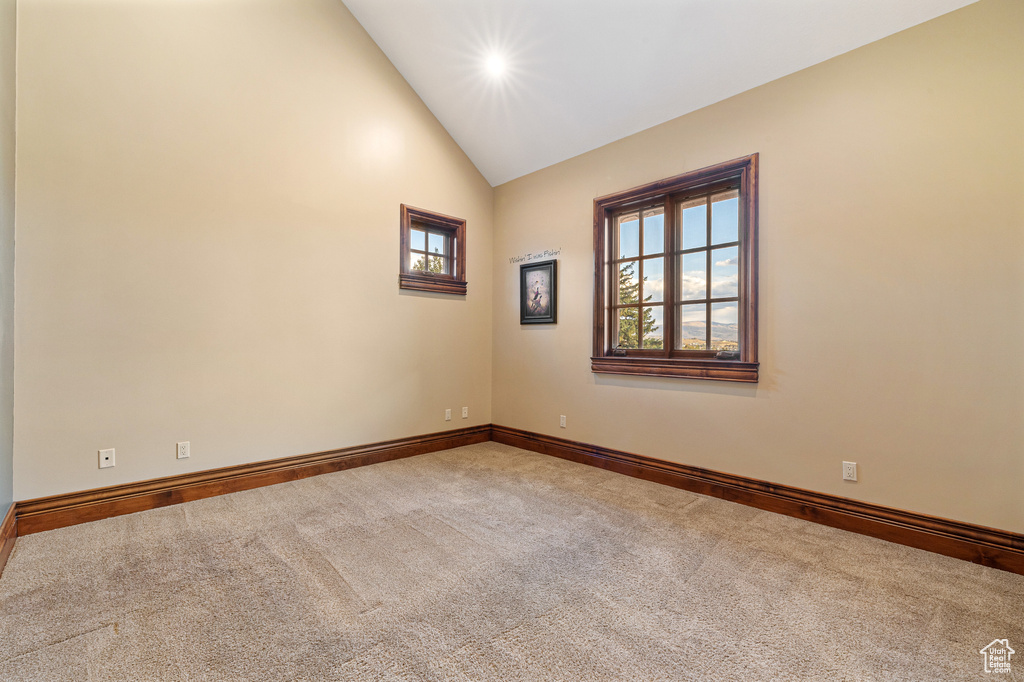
(452, 277)
(669, 361)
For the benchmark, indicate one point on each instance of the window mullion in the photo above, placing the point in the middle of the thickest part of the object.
(707, 291)
(448, 254)
(613, 281)
(611, 322)
(640, 281)
(670, 295)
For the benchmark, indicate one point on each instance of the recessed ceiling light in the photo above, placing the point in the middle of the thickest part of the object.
(495, 65)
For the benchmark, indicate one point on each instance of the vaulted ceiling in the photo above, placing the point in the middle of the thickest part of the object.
(579, 74)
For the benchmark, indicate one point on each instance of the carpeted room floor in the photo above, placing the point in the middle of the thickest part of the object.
(490, 563)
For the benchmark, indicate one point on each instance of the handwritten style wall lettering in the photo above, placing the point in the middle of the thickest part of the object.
(546, 253)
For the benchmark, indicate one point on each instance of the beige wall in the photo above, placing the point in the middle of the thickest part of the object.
(208, 201)
(8, 21)
(207, 233)
(892, 280)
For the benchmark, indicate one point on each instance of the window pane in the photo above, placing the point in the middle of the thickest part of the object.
(725, 333)
(695, 223)
(626, 327)
(654, 279)
(417, 240)
(692, 327)
(417, 262)
(436, 242)
(725, 272)
(725, 217)
(629, 283)
(654, 326)
(629, 235)
(654, 231)
(693, 269)
(437, 264)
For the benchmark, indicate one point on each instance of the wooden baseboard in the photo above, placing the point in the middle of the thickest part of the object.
(981, 545)
(986, 546)
(57, 511)
(8, 533)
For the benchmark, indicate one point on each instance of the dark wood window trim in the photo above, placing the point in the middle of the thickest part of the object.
(452, 277)
(668, 361)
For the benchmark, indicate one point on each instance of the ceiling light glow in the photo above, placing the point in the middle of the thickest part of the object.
(495, 65)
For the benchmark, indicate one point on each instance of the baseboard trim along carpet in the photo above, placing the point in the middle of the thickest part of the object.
(57, 511)
(987, 546)
(8, 533)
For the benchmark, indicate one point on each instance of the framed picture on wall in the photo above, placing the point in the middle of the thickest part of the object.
(538, 292)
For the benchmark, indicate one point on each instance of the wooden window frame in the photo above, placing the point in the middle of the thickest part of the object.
(670, 362)
(454, 230)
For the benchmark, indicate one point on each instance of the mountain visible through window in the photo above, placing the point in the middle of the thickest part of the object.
(676, 276)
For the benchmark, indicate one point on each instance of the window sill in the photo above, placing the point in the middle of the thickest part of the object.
(696, 368)
(441, 285)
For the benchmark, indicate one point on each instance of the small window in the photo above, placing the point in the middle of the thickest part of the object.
(676, 276)
(433, 252)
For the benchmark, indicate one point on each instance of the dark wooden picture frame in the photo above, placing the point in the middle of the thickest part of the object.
(538, 292)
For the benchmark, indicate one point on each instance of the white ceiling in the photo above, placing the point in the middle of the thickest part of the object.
(583, 73)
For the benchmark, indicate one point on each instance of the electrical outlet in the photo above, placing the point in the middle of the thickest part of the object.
(183, 450)
(561, 421)
(465, 413)
(448, 415)
(849, 471)
(106, 458)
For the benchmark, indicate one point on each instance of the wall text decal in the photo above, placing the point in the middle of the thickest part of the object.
(546, 253)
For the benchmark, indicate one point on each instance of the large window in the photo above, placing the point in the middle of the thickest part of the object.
(676, 276)
(433, 252)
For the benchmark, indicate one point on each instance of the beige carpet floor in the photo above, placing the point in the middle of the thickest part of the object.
(490, 563)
